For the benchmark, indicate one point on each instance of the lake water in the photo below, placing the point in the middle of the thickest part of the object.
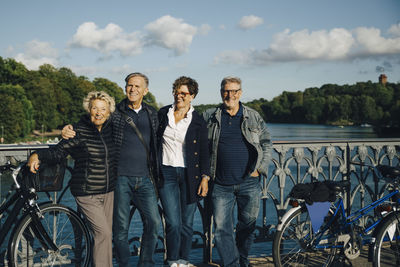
(278, 132)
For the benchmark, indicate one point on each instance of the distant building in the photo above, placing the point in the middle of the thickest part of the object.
(383, 79)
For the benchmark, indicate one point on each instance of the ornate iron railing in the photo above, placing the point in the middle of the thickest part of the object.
(296, 162)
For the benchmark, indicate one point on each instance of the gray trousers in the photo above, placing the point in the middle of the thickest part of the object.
(98, 210)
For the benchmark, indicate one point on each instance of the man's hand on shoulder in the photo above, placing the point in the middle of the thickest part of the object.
(68, 132)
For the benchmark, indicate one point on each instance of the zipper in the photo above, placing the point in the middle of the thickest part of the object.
(217, 126)
(106, 150)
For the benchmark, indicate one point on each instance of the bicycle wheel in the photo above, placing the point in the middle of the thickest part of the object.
(67, 231)
(387, 242)
(292, 245)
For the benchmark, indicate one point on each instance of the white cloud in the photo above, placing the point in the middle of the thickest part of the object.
(167, 32)
(86, 70)
(300, 45)
(371, 42)
(249, 22)
(37, 53)
(110, 39)
(336, 44)
(171, 33)
(395, 30)
(222, 27)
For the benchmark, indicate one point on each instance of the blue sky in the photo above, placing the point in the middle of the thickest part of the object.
(273, 46)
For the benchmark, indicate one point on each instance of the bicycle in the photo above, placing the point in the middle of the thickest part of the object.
(44, 234)
(298, 242)
(134, 239)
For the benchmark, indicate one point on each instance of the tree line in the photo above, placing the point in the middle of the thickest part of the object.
(49, 98)
(361, 103)
(45, 99)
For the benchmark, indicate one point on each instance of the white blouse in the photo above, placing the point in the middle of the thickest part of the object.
(173, 141)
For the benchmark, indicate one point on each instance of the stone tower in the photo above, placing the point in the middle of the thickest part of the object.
(383, 79)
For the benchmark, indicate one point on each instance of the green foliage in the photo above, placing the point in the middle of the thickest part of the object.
(364, 102)
(48, 97)
(109, 87)
(53, 97)
(201, 108)
(12, 72)
(150, 99)
(16, 112)
(41, 92)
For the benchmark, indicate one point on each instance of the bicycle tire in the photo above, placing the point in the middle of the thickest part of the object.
(291, 245)
(387, 242)
(67, 231)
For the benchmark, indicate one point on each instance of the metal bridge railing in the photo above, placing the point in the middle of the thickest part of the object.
(293, 162)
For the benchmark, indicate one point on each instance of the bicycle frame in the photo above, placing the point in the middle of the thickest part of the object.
(23, 199)
(19, 203)
(348, 221)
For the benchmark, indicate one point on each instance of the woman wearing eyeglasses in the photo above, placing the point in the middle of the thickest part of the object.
(183, 144)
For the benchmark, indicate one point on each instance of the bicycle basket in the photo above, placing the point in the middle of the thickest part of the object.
(49, 177)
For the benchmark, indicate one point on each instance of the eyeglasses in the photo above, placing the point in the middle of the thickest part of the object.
(182, 94)
(232, 92)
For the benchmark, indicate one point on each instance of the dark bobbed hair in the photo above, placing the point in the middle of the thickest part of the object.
(191, 84)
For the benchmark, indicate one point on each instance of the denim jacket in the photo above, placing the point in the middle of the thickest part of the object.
(253, 129)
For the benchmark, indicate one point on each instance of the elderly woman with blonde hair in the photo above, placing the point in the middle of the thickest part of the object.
(94, 176)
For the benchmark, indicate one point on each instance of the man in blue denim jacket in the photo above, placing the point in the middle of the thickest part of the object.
(240, 148)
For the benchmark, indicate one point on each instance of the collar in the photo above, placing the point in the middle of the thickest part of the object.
(238, 114)
(136, 110)
(188, 114)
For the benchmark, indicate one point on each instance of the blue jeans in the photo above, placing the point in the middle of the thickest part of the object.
(178, 214)
(140, 191)
(234, 250)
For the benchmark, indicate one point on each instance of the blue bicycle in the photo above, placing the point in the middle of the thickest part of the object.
(320, 233)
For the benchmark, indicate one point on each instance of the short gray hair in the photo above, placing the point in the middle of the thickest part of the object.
(137, 74)
(231, 79)
(100, 95)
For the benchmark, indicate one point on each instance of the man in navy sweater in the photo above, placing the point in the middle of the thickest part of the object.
(137, 170)
(240, 154)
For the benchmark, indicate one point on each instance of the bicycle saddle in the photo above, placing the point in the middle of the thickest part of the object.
(338, 186)
(389, 171)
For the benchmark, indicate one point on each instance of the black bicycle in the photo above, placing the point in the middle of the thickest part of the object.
(42, 234)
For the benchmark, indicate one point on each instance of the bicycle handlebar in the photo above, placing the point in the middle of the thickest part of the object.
(362, 164)
(382, 171)
(6, 167)
(15, 170)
